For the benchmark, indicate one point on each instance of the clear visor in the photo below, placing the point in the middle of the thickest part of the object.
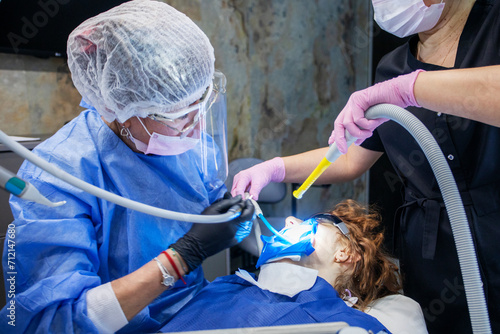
(206, 120)
(213, 126)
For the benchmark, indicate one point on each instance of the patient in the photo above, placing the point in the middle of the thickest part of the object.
(328, 268)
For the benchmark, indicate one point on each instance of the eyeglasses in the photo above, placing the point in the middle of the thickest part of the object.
(179, 125)
(335, 221)
(177, 121)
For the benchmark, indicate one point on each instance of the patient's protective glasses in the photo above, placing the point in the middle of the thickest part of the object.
(335, 221)
(177, 121)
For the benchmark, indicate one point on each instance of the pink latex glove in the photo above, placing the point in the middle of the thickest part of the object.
(253, 179)
(397, 91)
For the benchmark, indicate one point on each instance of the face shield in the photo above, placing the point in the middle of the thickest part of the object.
(199, 129)
(213, 134)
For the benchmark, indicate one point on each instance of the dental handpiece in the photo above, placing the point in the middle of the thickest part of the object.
(23, 189)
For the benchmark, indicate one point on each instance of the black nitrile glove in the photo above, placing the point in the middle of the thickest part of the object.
(204, 240)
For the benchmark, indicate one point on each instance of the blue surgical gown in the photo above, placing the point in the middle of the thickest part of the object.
(62, 252)
(232, 302)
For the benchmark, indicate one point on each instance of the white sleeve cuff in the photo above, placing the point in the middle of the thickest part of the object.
(104, 309)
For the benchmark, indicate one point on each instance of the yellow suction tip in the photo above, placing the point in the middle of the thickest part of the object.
(323, 165)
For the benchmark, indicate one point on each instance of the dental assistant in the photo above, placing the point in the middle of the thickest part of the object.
(447, 75)
(145, 72)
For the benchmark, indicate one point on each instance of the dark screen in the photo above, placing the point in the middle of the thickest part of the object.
(41, 27)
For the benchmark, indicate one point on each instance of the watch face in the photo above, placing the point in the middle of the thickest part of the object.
(168, 280)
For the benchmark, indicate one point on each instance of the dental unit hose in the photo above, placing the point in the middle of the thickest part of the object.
(106, 195)
(454, 207)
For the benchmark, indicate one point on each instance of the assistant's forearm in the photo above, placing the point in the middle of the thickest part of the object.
(346, 168)
(470, 93)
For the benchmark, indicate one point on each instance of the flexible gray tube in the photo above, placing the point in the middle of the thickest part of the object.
(125, 202)
(460, 227)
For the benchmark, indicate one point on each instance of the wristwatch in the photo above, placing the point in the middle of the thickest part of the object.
(168, 280)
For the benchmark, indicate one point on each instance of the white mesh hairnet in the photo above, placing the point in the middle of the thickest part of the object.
(139, 58)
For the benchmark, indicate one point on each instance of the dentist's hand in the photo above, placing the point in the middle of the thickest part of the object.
(204, 240)
(397, 91)
(253, 179)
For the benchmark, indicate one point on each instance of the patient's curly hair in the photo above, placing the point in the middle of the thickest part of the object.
(374, 275)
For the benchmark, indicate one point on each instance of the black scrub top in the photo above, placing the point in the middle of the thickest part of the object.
(425, 243)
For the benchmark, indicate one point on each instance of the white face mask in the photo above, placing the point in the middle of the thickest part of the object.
(406, 17)
(164, 145)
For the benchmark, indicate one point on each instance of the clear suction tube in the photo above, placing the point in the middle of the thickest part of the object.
(460, 227)
(106, 195)
(258, 213)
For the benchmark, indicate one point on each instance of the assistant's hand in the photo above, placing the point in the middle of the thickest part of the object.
(253, 179)
(397, 91)
(204, 240)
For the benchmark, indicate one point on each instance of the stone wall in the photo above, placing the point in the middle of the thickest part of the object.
(290, 64)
